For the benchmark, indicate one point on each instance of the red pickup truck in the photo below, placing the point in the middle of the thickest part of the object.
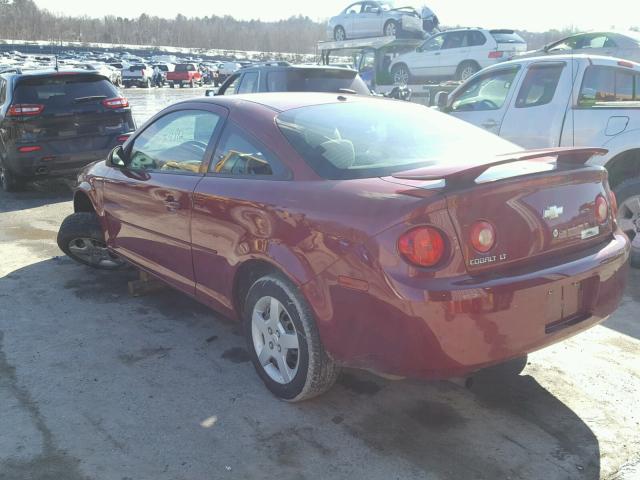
(184, 74)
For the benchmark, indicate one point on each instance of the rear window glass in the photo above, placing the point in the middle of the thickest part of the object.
(136, 68)
(316, 80)
(63, 90)
(378, 138)
(506, 36)
(185, 68)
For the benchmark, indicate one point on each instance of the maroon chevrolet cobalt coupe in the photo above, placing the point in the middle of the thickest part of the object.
(359, 232)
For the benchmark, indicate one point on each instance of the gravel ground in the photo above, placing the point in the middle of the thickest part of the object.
(95, 384)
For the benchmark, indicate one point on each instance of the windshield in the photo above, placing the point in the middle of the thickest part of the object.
(350, 140)
(316, 80)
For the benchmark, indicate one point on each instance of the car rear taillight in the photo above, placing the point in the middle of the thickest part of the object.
(482, 236)
(496, 54)
(613, 203)
(29, 149)
(422, 246)
(25, 110)
(602, 209)
(118, 102)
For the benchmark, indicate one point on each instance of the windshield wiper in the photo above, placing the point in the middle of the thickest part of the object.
(89, 99)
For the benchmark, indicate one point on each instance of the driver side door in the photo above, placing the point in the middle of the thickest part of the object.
(485, 100)
(148, 201)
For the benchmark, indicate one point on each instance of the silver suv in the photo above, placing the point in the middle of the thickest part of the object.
(456, 54)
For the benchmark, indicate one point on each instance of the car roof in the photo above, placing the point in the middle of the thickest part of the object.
(283, 101)
(18, 73)
(297, 67)
(593, 59)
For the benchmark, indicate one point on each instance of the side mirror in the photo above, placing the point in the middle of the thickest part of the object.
(209, 93)
(442, 99)
(117, 158)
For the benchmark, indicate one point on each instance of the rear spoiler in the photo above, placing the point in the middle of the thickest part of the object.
(466, 174)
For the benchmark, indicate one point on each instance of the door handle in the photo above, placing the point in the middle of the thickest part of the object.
(489, 124)
(171, 204)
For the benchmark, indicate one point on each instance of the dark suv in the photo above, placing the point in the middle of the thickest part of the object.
(294, 78)
(53, 123)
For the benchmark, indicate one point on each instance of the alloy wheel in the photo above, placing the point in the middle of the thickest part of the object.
(390, 30)
(94, 252)
(467, 72)
(401, 76)
(629, 220)
(275, 340)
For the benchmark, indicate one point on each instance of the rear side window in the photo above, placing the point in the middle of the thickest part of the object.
(475, 38)
(315, 80)
(609, 87)
(249, 83)
(64, 90)
(241, 155)
(506, 36)
(539, 86)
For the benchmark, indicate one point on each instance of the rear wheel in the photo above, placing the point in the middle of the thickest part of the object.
(81, 238)
(284, 341)
(391, 29)
(400, 74)
(628, 196)
(339, 34)
(466, 70)
(9, 182)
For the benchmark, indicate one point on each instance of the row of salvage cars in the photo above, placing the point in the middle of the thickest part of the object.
(349, 230)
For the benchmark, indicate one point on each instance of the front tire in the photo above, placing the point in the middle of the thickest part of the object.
(284, 342)
(339, 34)
(628, 196)
(81, 238)
(9, 182)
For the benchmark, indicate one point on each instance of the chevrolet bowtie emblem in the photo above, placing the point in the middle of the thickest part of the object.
(552, 212)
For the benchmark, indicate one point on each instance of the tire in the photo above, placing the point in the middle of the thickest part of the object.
(172, 85)
(339, 34)
(400, 74)
(391, 29)
(628, 196)
(466, 70)
(192, 84)
(80, 237)
(9, 182)
(510, 368)
(308, 370)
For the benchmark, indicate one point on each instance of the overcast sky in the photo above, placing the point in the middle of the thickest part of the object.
(533, 15)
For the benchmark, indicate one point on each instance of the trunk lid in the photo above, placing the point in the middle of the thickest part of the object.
(538, 208)
(534, 217)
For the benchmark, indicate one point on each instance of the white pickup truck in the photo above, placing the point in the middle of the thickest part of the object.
(139, 75)
(565, 100)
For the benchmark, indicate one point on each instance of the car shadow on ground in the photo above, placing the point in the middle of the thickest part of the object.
(627, 318)
(158, 386)
(37, 194)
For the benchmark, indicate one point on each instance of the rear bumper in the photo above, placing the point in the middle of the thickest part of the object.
(46, 163)
(452, 327)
